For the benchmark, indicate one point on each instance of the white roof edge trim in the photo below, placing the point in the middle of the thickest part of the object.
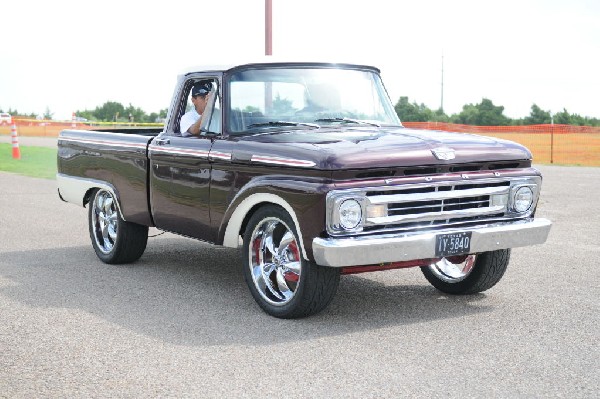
(267, 60)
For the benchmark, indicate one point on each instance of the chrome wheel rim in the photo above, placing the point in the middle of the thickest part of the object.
(275, 262)
(104, 221)
(453, 269)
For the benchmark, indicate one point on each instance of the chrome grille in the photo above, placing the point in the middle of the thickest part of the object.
(442, 204)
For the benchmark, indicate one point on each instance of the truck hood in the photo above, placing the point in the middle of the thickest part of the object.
(365, 147)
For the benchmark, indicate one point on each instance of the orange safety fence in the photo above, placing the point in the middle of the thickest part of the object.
(557, 144)
(549, 144)
(49, 128)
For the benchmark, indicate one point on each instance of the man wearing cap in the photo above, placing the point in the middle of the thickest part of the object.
(192, 120)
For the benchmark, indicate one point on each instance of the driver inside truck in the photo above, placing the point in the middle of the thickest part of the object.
(192, 120)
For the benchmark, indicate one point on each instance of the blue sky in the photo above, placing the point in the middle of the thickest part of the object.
(70, 55)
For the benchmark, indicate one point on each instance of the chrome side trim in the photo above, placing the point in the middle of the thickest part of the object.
(73, 189)
(370, 250)
(104, 142)
(224, 156)
(211, 155)
(178, 151)
(282, 161)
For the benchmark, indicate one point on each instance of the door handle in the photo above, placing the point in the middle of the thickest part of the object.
(162, 141)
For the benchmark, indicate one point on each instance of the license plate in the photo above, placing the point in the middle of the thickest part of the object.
(452, 244)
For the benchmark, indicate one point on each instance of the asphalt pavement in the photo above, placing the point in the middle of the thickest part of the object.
(181, 322)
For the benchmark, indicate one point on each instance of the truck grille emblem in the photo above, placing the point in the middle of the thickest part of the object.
(443, 153)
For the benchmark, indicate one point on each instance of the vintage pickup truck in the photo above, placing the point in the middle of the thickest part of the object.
(307, 167)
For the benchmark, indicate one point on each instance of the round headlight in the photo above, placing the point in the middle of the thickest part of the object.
(350, 214)
(523, 199)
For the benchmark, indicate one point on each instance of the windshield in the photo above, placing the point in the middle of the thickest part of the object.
(280, 98)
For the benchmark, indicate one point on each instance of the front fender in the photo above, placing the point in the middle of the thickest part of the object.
(303, 200)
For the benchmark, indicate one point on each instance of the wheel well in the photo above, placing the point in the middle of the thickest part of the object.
(87, 196)
(237, 223)
(251, 212)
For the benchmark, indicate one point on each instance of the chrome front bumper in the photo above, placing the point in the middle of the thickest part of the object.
(370, 250)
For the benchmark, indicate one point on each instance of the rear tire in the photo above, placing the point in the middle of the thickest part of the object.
(282, 282)
(473, 274)
(114, 240)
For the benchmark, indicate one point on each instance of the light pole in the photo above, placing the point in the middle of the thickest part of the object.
(268, 27)
(268, 50)
(442, 101)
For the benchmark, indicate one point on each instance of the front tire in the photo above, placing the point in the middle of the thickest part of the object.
(471, 274)
(282, 282)
(114, 240)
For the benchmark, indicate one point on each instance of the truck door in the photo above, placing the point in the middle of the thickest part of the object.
(186, 209)
(180, 175)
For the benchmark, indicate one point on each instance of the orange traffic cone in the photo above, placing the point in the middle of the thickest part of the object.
(16, 152)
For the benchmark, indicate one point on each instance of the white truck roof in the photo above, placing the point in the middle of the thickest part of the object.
(265, 60)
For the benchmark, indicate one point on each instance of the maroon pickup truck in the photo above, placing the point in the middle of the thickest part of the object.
(307, 167)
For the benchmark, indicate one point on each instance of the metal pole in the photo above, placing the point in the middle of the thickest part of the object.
(268, 51)
(442, 102)
(268, 27)
(551, 137)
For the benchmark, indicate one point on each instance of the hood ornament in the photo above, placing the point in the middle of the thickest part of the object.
(443, 153)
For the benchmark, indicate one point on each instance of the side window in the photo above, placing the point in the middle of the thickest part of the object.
(201, 103)
(181, 107)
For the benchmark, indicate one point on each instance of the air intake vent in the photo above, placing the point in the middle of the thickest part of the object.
(496, 166)
(375, 174)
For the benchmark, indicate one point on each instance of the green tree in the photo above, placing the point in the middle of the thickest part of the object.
(14, 112)
(468, 116)
(563, 117)
(251, 108)
(282, 106)
(537, 116)
(440, 116)
(109, 111)
(414, 112)
(157, 117)
(48, 114)
(152, 117)
(137, 114)
(483, 114)
(593, 121)
(87, 114)
(579, 120)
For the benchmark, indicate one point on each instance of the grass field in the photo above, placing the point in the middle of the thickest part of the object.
(34, 162)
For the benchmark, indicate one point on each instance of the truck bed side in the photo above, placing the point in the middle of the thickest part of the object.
(88, 159)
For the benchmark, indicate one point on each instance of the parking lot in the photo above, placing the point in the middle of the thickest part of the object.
(180, 322)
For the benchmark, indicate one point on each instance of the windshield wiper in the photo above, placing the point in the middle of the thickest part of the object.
(348, 120)
(283, 123)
